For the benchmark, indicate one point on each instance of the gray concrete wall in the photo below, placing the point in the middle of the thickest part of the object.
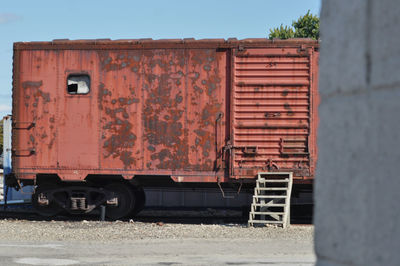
(357, 192)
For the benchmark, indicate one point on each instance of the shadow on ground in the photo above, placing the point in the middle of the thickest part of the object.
(301, 214)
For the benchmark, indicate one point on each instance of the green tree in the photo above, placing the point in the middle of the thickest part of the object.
(281, 32)
(306, 26)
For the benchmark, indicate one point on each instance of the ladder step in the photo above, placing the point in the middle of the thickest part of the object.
(270, 197)
(273, 181)
(268, 213)
(269, 205)
(272, 188)
(265, 222)
(265, 202)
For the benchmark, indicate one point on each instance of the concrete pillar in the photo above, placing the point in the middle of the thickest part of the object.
(357, 189)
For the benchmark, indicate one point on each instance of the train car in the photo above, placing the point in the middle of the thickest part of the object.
(95, 121)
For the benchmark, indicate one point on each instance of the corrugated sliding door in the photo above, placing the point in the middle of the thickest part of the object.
(271, 111)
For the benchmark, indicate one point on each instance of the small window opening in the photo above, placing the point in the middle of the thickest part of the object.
(78, 84)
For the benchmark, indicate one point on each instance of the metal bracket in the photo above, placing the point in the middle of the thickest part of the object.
(227, 147)
(270, 165)
(250, 150)
(22, 191)
(223, 193)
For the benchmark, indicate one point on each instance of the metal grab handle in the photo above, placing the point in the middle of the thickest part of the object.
(23, 153)
(16, 125)
(218, 157)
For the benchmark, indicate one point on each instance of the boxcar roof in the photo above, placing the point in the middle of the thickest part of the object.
(162, 43)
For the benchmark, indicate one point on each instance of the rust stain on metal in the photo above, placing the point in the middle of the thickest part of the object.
(170, 107)
(121, 138)
(36, 102)
(272, 104)
(163, 109)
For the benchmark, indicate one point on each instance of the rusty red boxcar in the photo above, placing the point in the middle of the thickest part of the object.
(94, 120)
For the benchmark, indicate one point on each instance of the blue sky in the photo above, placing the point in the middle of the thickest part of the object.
(44, 20)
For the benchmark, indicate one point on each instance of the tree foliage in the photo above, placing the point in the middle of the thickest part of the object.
(283, 32)
(306, 26)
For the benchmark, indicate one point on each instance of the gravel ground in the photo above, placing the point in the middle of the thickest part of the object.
(33, 241)
(25, 230)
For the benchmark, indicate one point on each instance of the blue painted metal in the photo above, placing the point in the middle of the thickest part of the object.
(7, 124)
(12, 194)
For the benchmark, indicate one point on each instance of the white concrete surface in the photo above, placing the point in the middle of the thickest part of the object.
(161, 252)
(64, 242)
(357, 216)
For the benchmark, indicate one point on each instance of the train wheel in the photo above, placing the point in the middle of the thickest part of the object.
(140, 200)
(52, 209)
(126, 201)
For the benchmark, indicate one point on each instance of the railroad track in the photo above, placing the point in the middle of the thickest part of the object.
(301, 214)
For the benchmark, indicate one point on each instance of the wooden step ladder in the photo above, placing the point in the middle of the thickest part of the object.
(271, 200)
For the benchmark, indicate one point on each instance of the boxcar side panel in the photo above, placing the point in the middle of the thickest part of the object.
(197, 111)
(159, 109)
(77, 114)
(34, 111)
(272, 111)
(120, 103)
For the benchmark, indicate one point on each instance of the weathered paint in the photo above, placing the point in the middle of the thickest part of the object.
(199, 111)
(272, 111)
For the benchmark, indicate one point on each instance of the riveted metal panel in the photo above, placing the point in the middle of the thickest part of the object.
(272, 119)
(166, 107)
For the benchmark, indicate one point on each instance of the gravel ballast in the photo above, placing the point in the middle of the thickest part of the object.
(33, 241)
(26, 230)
